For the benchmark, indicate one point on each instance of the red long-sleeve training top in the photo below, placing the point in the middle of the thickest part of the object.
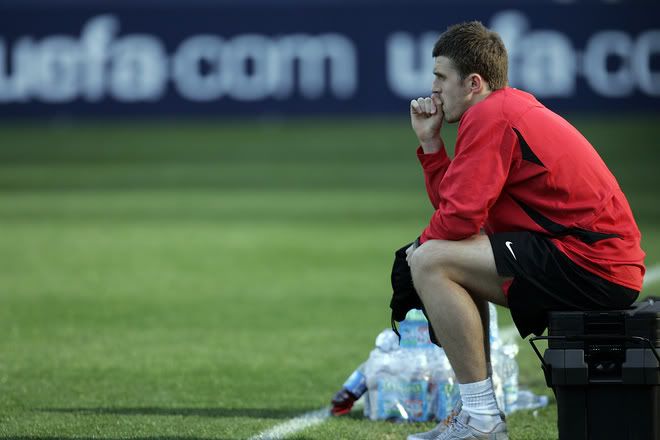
(520, 167)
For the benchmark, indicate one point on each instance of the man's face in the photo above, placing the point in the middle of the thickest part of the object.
(451, 89)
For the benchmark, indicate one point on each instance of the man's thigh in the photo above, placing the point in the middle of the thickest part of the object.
(469, 262)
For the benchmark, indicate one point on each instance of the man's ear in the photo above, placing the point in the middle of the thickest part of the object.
(476, 83)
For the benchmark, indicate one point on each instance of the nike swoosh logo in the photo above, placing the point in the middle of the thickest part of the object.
(508, 246)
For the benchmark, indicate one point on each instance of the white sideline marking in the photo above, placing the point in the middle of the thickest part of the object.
(652, 275)
(297, 424)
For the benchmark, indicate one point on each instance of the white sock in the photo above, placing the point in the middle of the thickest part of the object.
(489, 373)
(479, 401)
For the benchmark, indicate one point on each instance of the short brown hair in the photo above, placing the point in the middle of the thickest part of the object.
(473, 48)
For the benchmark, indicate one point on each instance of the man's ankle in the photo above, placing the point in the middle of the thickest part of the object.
(479, 399)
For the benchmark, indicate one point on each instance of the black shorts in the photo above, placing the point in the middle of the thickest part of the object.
(545, 279)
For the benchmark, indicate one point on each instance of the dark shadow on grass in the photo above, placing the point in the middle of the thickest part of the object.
(31, 437)
(354, 415)
(38, 437)
(257, 413)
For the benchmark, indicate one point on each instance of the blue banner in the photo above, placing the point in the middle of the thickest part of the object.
(306, 58)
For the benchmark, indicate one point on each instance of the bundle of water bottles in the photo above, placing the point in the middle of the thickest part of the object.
(412, 380)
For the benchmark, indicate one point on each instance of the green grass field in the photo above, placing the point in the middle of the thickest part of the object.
(209, 280)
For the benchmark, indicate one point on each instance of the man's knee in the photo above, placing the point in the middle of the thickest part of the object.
(430, 258)
(469, 263)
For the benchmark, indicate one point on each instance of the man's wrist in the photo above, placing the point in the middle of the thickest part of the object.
(432, 146)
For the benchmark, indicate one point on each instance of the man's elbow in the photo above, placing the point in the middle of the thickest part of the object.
(450, 230)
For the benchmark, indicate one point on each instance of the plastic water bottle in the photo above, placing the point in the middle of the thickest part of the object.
(495, 355)
(509, 371)
(383, 370)
(399, 384)
(498, 386)
(414, 399)
(528, 400)
(356, 385)
(505, 376)
(445, 386)
(493, 327)
(387, 341)
(417, 357)
(352, 389)
(415, 330)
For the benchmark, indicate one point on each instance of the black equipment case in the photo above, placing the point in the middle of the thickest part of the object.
(604, 369)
